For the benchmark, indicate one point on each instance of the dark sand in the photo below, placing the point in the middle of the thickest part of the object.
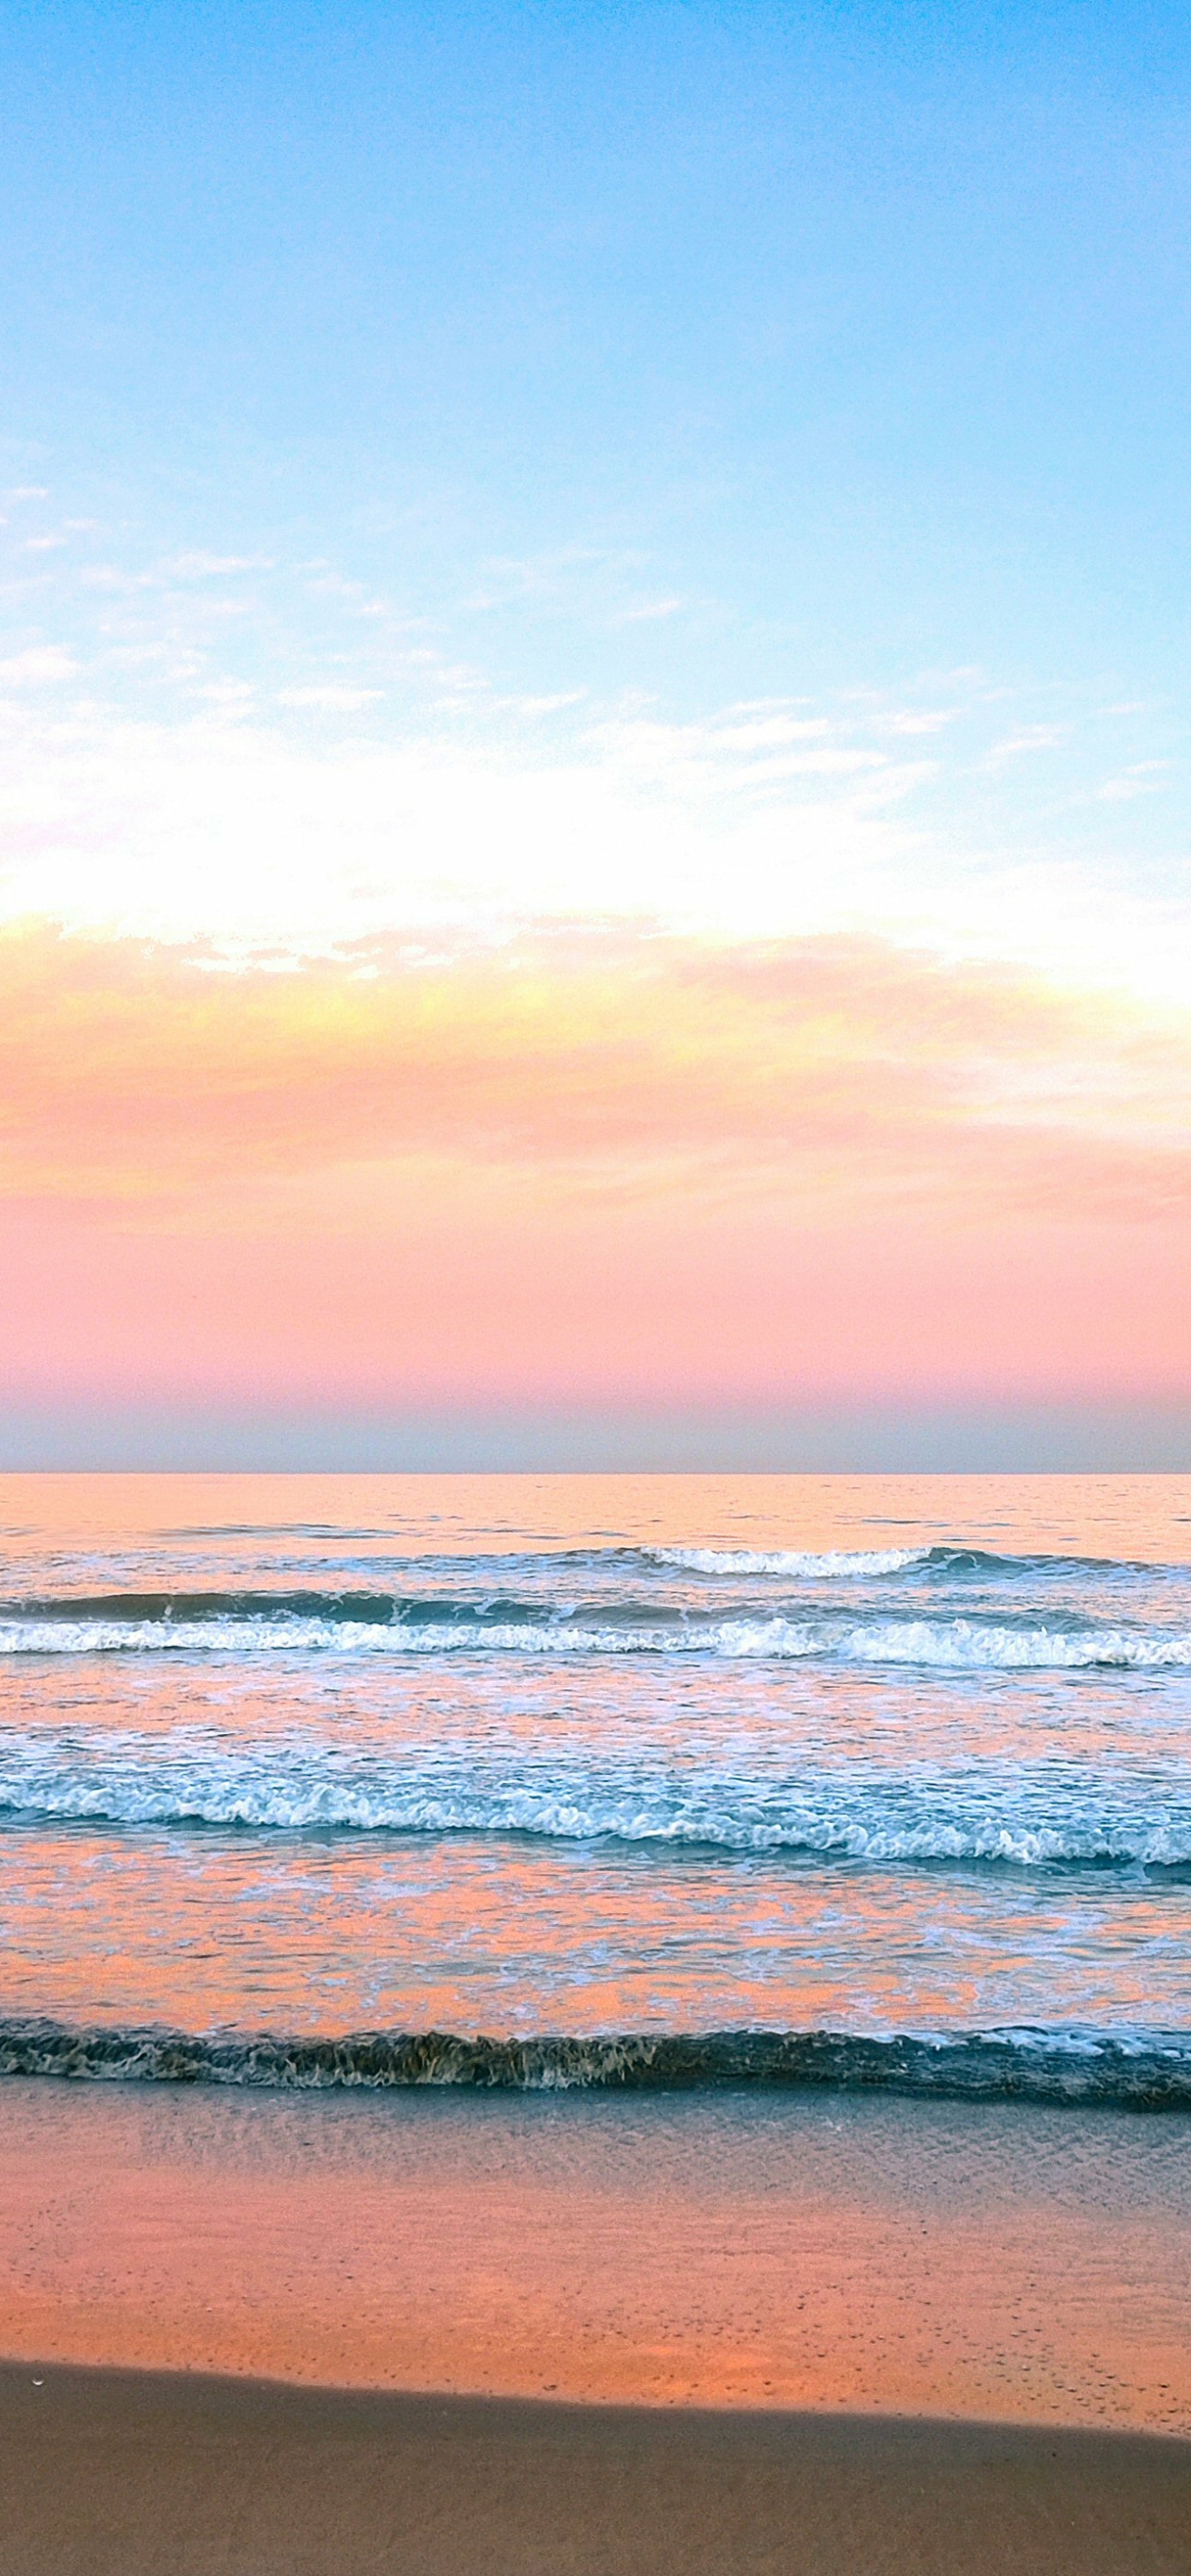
(119, 2473)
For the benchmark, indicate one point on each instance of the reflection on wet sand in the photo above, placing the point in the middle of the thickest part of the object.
(830, 2251)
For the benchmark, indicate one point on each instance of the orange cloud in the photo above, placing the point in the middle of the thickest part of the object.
(135, 1069)
(595, 1161)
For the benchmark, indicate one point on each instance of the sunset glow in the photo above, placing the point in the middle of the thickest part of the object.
(592, 1167)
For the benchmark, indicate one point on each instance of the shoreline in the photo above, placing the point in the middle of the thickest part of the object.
(110, 2472)
(1150, 2072)
(750, 2249)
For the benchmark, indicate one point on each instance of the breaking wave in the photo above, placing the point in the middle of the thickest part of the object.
(951, 1557)
(1149, 2071)
(314, 1789)
(962, 1645)
(794, 1562)
(264, 1624)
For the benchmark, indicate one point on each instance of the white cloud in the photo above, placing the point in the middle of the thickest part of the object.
(42, 666)
(651, 610)
(238, 833)
(768, 822)
(204, 567)
(329, 700)
(917, 720)
(1016, 746)
(1142, 778)
(234, 697)
(550, 704)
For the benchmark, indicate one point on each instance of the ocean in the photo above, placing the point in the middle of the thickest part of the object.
(591, 1781)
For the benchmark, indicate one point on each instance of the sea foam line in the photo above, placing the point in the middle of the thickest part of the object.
(951, 1645)
(793, 1561)
(1149, 2072)
(782, 1822)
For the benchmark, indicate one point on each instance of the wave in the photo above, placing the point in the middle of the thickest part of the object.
(794, 1562)
(962, 1645)
(950, 1557)
(341, 1532)
(1148, 2071)
(272, 1624)
(478, 1588)
(833, 1825)
(188, 1609)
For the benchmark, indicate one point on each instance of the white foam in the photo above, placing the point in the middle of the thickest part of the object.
(962, 1645)
(793, 1561)
(1027, 1822)
(950, 1645)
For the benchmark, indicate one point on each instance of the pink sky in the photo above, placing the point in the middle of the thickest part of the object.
(595, 1168)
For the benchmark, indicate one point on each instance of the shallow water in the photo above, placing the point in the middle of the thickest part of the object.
(742, 2249)
(597, 1754)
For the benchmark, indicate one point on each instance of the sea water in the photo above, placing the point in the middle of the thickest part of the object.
(599, 1779)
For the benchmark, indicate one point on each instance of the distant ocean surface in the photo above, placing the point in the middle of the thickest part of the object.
(599, 1779)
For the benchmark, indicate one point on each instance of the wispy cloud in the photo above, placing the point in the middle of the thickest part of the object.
(208, 567)
(649, 612)
(328, 698)
(1028, 739)
(1142, 778)
(917, 720)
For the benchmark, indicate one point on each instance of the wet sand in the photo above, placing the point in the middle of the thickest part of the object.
(832, 2252)
(574, 2337)
(107, 2473)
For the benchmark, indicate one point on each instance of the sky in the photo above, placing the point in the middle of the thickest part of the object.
(594, 652)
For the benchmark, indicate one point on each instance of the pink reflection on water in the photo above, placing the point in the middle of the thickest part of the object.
(1147, 1517)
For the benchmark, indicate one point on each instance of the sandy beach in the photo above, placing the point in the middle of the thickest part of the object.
(109, 2473)
(438, 2333)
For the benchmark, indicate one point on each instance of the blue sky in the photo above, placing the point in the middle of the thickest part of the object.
(535, 364)
(863, 331)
